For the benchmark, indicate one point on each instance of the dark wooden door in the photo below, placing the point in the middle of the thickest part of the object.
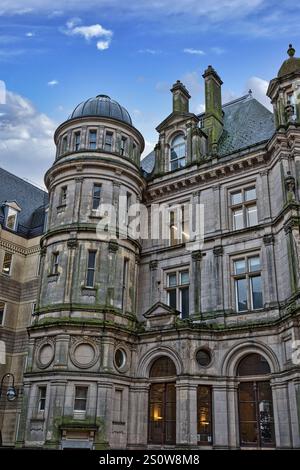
(162, 413)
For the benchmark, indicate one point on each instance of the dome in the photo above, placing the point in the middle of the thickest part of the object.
(291, 65)
(102, 106)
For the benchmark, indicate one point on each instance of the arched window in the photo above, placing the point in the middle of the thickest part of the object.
(255, 402)
(162, 402)
(178, 152)
(163, 367)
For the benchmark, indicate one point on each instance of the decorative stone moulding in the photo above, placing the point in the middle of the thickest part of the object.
(45, 354)
(84, 354)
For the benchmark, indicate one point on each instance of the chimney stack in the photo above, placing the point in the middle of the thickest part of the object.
(180, 98)
(213, 120)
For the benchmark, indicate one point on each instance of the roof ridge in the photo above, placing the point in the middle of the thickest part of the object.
(237, 100)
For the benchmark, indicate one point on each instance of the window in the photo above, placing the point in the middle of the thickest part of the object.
(243, 208)
(178, 291)
(124, 284)
(92, 139)
(108, 141)
(90, 278)
(77, 140)
(2, 309)
(80, 398)
(179, 224)
(54, 264)
(6, 268)
(42, 398)
(11, 218)
(256, 418)
(204, 415)
(63, 196)
(96, 196)
(128, 204)
(163, 367)
(64, 144)
(248, 283)
(123, 145)
(178, 153)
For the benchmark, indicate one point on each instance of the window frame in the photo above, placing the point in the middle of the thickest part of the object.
(42, 398)
(123, 145)
(90, 269)
(210, 415)
(76, 387)
(108, 147)
(63, 194)
(55, 263)
(2, 320)
(96, 185)
(10, 265)
(172, 147)
(64, 144)
(77, 144)
(14, 213)
(247, 275)
(92, 142)
(125, 278)
(173, 225)
(178, 287)
(243, 206)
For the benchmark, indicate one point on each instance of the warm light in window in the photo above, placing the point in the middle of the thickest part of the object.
(157, 413)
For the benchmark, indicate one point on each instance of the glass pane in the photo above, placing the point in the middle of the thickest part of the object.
(254, 263)
(238, 219)
(91, 261)
(265, 409)
(248, 432)
(241, 294)
(253, 364)
(81, 392)
(172, 298)
(181, 163)
(185, 302)
(204, 414)
(248, 411)
(240, 266)
(250, 193)
(174, 154)
(251, 215)
(236, 198)
(174, 165)
(90, 278)
(163, 367)
(256, 291)
(172, 280)
(184, 277)
(80, 405)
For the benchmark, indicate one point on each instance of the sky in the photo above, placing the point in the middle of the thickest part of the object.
(55, 54)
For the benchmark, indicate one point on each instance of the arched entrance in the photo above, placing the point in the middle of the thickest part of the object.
(255, 402)
(162, 402)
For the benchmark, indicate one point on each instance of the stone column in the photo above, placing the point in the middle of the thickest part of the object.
(72, 244)
(138, 412)
(108, 345)
(24, 417)
(61, 351)
(294, 404)
(264, 208)
(55, 412)
(292, 256)
(233, 416)
(111, 280)
(270, 286)
(218, 277)
(281, 415)
(186, 414)
(188, 143)
(195, 283)
(77, 199)
(154, 292)
(220, 417)
(217, 208)
(104, 415)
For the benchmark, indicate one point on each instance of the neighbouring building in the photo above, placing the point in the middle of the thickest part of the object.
(158, 343)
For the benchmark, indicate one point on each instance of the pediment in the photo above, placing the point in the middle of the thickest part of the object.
(160, 315)
(13, 205)
(174, 118)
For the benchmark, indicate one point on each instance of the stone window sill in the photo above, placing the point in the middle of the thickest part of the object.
(86, 290)
(61, 207)
(53, 277)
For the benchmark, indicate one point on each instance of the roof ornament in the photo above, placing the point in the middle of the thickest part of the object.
(291, 51)
(250, 92)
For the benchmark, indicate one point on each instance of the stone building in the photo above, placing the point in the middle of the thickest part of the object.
(162, 342)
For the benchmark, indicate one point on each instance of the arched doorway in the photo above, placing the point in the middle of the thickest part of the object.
(255, 402)
(162, 402)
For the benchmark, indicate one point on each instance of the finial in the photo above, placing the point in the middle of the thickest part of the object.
(250, 92)
(291, 51)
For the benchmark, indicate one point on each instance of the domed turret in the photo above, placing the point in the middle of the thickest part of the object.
(101, 106)
(291, 65)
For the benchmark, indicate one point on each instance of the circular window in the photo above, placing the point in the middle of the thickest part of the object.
(203, 357)
(120, 358)
(45, 355)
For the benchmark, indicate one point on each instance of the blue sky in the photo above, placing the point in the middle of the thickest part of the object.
(54, 54)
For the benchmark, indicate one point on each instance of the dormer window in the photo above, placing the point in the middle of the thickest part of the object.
(178, 153)
(11, 218)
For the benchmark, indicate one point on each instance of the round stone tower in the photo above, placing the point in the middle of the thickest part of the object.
(81, 338)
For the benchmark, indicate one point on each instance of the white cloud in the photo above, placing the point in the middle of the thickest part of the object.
(217, 50)
(93, 31)
(30, 34)
(26, 138)
(102, 45)
(188, 50)
(192, 81)
(149, 51)
(53, 83)
(259, 88)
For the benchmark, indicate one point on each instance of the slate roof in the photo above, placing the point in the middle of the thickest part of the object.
(246, 123)
(32, 201)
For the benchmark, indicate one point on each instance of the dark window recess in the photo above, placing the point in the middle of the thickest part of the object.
(80, 398)
(91, 269)
(203, 357)
(162, 413)
(96, 196)
(92, 140)
(253, 364)
(163, 367)
(204, 415)
(108, 141)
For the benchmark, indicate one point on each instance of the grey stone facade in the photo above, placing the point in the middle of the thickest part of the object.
(77, 391)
